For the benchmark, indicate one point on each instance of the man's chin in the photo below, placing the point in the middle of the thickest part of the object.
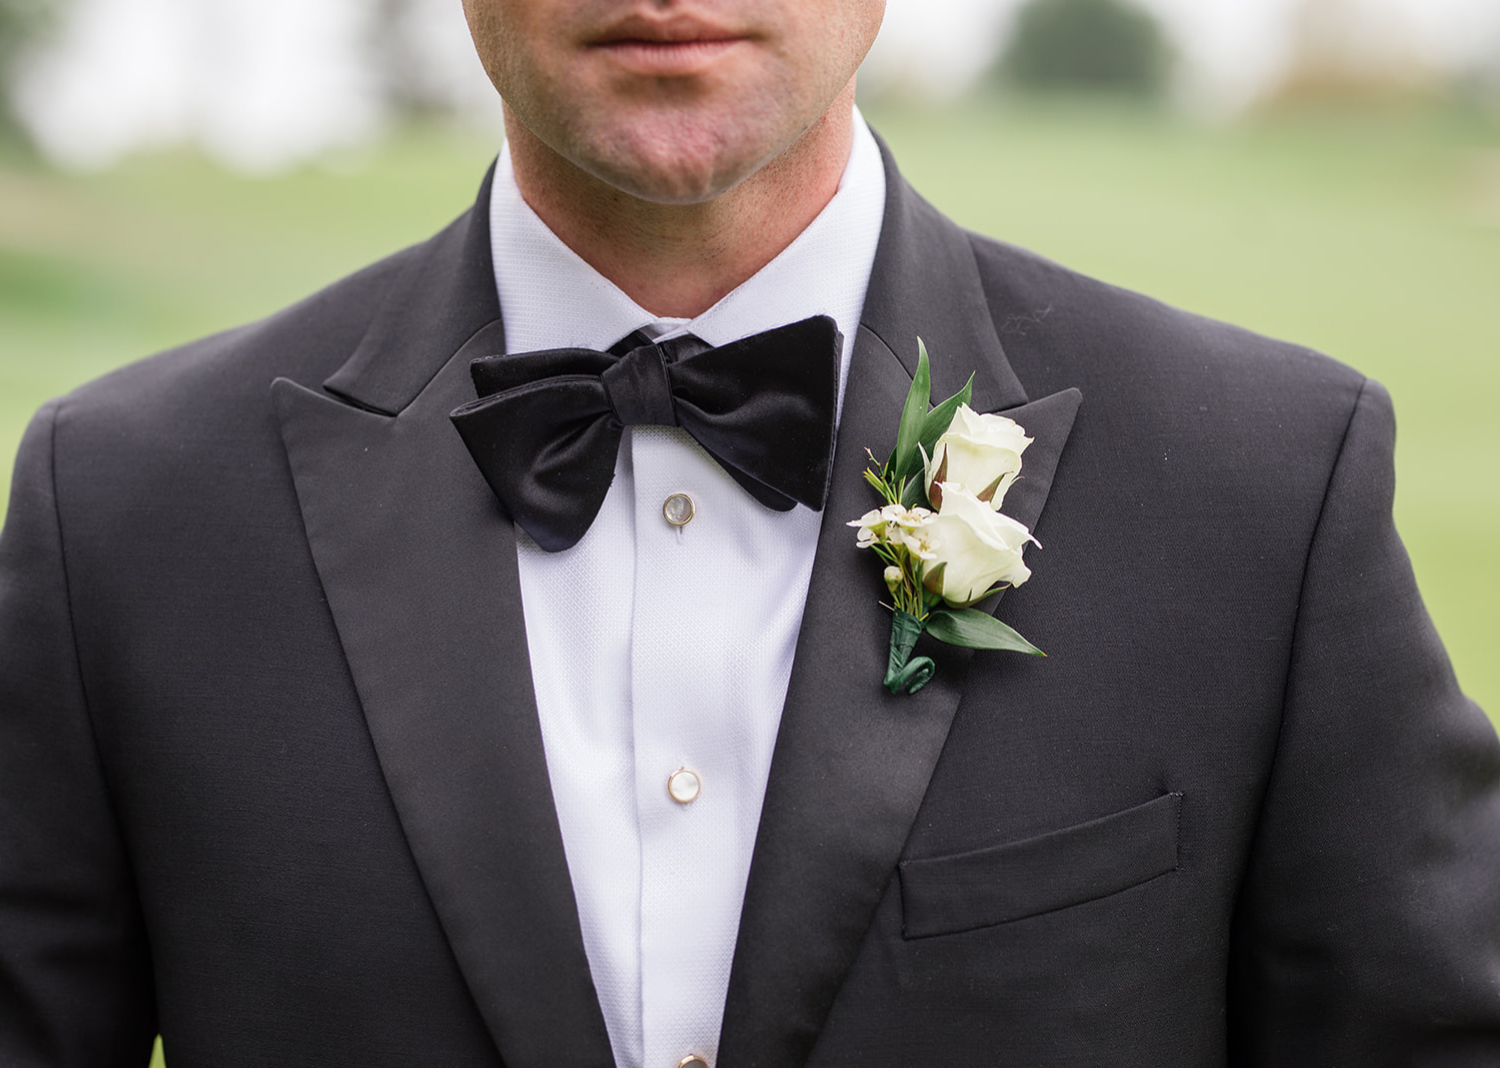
(672, 188)
(673, 173)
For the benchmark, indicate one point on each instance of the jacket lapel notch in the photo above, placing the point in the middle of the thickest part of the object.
(925, 283)
(443, 294)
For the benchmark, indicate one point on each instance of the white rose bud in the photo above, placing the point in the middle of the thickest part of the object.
(981, 453)
(973, 547)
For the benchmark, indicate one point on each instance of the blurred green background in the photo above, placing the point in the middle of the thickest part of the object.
(1371, 234)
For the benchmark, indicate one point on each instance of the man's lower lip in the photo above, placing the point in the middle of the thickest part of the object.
(668, 57)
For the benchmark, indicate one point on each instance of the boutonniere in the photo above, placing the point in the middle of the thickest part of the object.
(941, 533)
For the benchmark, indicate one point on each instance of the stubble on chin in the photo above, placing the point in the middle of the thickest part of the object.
(678, 156)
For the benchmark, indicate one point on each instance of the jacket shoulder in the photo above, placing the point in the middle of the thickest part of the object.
(197, 420)
(306, 341)
(1057, 323)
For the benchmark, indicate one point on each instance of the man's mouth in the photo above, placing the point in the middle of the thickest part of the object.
(670, 47)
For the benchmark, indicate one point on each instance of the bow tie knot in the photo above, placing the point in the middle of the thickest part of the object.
(547, 425)
(639, 387)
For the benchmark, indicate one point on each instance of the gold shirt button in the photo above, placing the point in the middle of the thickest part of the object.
(694, 1061)
(684, 786)
(679, 509)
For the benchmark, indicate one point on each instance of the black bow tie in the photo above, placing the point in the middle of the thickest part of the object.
(547, 425)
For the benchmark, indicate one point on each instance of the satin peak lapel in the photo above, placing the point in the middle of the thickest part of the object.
(852, 762)
(419, 567)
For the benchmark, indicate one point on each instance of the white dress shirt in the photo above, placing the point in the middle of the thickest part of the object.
(656, 647)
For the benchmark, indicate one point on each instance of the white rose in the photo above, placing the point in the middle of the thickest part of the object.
(973, 548)
(981, 453)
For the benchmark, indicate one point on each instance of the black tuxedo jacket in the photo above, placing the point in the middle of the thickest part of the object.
(271, 778)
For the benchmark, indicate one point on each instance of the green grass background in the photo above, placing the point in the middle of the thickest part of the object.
(1374, 237)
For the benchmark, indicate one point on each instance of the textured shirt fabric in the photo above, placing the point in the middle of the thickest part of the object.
(656, 647)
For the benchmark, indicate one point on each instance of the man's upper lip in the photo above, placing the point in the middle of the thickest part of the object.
(673, 30)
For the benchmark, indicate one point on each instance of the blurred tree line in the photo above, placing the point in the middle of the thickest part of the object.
(405, 69)
(1352, 52)
(1343, 51)
(1098, 45)
(22, 23)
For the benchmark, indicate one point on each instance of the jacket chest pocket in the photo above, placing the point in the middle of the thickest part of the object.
(984, 887)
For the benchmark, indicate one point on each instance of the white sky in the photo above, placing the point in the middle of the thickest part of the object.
(263, 83)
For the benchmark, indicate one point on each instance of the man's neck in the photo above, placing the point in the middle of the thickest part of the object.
(678, 260)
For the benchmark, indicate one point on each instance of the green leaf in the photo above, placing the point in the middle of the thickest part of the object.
(905, 458)
(973, 629)
(940, 418)
(915, 493)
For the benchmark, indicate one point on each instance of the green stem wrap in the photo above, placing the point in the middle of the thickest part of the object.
(904, 674)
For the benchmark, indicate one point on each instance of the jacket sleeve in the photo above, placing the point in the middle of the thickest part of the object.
(75, 978)
(1368, 929)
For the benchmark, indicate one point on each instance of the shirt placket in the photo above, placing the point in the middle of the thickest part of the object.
(684, 721)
